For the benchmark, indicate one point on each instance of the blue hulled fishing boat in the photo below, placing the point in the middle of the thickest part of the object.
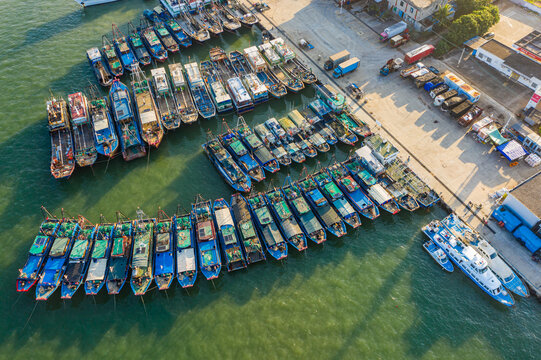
(186, 250)
(152, 43)
(201, 97)
(122, 47)
(37, 254)
(271, 235)
(226, 166)
(257, 89)
(438, 255)
(219, 95)
(358, 198)
(337, 199)
(78, 259)
(308, 221)
(263, 156)
(343, 133)
(325, 212)
(53, 271)
(105, 136)
(209, 254)
(286, 220)
(142, 257)
(119, 262)
(101, 71)
(164, 259)
(247, 231)
(98, 269)
(137, 46)
(263, 73)
(161, 30)
(126, 125)
(232, 251)
(178, 33)
(111, 57)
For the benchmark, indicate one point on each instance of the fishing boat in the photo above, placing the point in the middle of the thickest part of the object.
(325, 213)
(355, 194)
(278, 131)
(126, 125)
(261, 70)
(307, 220)
(246, 229)
(342, 132)
(186, 250)
(469, 261)
(141, 261)
(145, 106)
(37, 254)
(256, 88)
(232, 251)
(165, 101)
(62, 162)
(122, 47)
(336, 197)
(230, 140)
(201, 97)
(167, 40)
(198, 20)
(400, 195)
(286, 221)
(97, 268)
(271, 235)
(120, 259)
(57, 261)
(294, 152)
(438, 255)
(209, 254)
(175, 29)
(78, 260)
(300, 122)
(83, 138)
(241, 12)
(174, 7)
(111, 57)
(503, 272)
(194, 29)
(137, 46)
(274, 63)
(217, 91)
(101, 72)
(152, 43)
(226, 166)
(213, 19)
(281, 48)
(261, 154)
(354, 124)
(183, 99)
(229, 21)
(274, 145)
(164, 257)
(105, 138)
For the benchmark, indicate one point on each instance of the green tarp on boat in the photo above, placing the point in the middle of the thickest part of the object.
(282, 209)
(333, 190)
(118, 246)
(136, 41)
(254, 141)
(100, 247)
(39, 244)
(247, 230)
(263, 215)
(163, 32)
(238, 148)
(301, 205)
(228, 232)
(79, 249)
(366, 177)
(183, 239)
(59, 247)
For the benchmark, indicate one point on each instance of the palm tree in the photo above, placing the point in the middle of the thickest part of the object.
(442, 14)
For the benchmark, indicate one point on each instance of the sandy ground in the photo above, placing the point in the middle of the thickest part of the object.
(458, 167)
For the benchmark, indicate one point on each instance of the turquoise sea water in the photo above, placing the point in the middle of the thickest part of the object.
(374, 294)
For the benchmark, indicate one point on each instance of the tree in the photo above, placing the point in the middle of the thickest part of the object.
(468, 6)
(442, 15)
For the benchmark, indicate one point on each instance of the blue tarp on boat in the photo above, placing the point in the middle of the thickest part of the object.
(510, 221)
(531, 241)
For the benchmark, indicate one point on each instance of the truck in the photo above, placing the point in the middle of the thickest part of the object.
(454, 82)
(393, 30)
(470, 116)
(418, 54)
(461, 109)
(414, 75)
(422, 80)
(336, 59)
(432, 84)
(438, 100)
(411, 69)
(452, 102)
(346, 67)
(440, 89)
(398, 40)
(391, 66)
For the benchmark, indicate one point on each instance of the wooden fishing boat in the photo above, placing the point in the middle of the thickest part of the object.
(122, 47)
(165, 101)
(211, 17)
(262, 155)
(324, 211)
(229, 21)
(142, 256)
(37, 254)
(272, 143)
(62, 162)
(101, 71)
(295, 146)
(151, 41)
(78, 259)
(400, 195)
(291, 64)
(268, 230)
(201, 97)
(163, 33)
(164, 258)
(126, 125)
(53, 271)
(145, 106)
(233, 254)
(103, 130)
(137, 46)
(226, 166)
(199, 21)
(355, 194)
(306, 218)
(175, 29)
(120, 259)
(83, 138)
(186, 249)
(181, 93)
(261, 70)
(285, 219)
(215, 87)
(195, 30)
(246, 229)
(354, 124)
(111, 57)
(256, 88)
(97, 268)
(342, 132)
(230, 140)
(209, 254)
(241, 12)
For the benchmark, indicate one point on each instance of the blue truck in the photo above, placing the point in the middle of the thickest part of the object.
(346, 67)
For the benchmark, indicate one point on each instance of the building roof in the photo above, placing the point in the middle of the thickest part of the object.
(513, 59)
(530, 195)
(421, 4)
(497, 48)
(530, 42)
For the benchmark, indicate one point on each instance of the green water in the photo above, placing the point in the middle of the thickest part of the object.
(374, 294)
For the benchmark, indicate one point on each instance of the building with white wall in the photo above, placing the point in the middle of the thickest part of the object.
(417, 12)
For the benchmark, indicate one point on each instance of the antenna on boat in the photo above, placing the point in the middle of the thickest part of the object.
(103, 220)
(162, 215)
(83, 221)
(65, 212)
(120, 216)
(46, 214)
